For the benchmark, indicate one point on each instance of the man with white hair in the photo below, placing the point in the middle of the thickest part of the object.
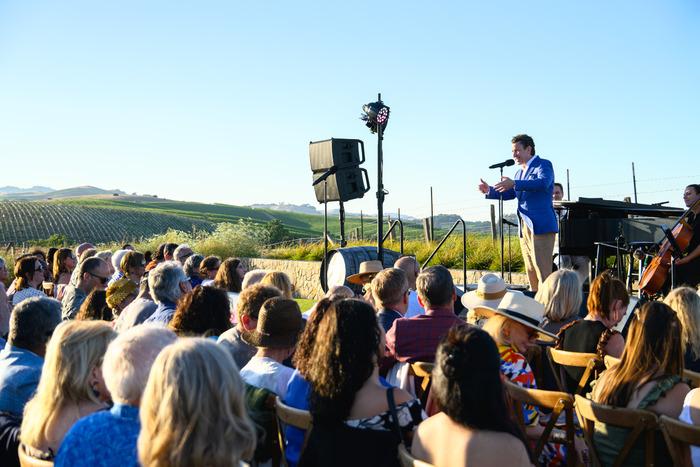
(182, 252)
(411, 267)
(168, 282)
(108, 438)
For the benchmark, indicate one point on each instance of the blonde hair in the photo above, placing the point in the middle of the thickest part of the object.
(496, 326)
(686, 303)
(193, 408)
(281, 281)
(561, 295)
(75, 349)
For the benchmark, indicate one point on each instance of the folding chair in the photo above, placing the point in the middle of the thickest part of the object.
(609, 361)
(25, 460)
(694, 378)
(590, 361)
(406, 459)
(289, 416)
(639, 422)
(533, 355)
(557, 401)
(678, 436)
(422, 370)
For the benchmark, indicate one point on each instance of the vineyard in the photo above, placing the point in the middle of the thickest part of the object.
(25, 221)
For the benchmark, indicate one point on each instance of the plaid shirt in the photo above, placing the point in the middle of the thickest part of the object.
(416, 339)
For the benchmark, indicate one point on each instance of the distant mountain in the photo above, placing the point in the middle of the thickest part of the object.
(300, 209)
(77, 192)
(34, 189)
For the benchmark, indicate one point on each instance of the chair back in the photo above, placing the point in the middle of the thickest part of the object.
(609, 361)
(533, 356)
(590, 361)
(678, 436)
(694, 378)
(25, 460)
(407, 460)
(422, 370)
(639, 422)
(557, 401)
(290, 416)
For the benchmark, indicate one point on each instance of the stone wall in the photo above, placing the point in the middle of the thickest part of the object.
(305, 275)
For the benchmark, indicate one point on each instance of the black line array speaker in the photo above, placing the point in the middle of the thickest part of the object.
(350, 181)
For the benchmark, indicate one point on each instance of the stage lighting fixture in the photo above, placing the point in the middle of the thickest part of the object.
(376, 113)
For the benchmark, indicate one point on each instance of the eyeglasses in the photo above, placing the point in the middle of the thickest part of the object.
(103, 280)
(533, 334)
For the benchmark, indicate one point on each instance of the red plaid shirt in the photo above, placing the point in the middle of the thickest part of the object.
(416, 339)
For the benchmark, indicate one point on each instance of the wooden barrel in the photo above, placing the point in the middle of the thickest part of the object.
(344, 262)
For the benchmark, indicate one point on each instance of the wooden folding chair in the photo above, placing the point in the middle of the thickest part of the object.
(590, 361)
(678, 436)
(406, 459)
(609, 361)
(289, 416)
(694, 378)
(639, 422)
(557, 401)
(422, 370)
(25, 460)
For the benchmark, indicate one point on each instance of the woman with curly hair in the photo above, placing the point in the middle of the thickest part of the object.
(347, 401)
(193, 409)
(71, 385)
(203, 312)
(473, 424)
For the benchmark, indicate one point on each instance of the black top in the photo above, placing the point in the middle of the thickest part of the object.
(580, 336)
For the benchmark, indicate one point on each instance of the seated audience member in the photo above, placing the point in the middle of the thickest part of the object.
(335, 291)
(647, 377)
(203, 312)
(275, 336)
(416, 339)
(474, 426)
(106, 256)
(108, 438)
(607, 305)
(561, 296)
(248, 309)
(280, 281)
(80, 255)
(191, 268)
(489, 292)
(168, 251)
(514, 325)
(137, 311)
(158, 257)
(168, 283)
(133, 266)
(64, 262)
(4, 301)
(252, 277)
(93, 274)
(40, 254)
(230, 278)
(410, 266)
(95, 307)
(367, 271)
(209, 268)
(51, 252)
(390, 289)
(686, 303)
(193, 410)
(29, 276)
(121, 294)
(31, 325)
(116, 265)
(70, 388)
(347, 401)
(181, 253)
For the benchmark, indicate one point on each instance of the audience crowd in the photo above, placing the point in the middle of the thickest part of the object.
(173, 358)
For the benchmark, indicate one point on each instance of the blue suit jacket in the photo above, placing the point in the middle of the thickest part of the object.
(533, 189)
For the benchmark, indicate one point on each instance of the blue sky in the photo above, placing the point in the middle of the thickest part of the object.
(216, 101)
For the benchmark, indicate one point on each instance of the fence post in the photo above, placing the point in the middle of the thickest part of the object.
(494, 231)
(427, 230)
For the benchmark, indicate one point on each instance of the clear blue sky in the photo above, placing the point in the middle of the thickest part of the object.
(216, 101)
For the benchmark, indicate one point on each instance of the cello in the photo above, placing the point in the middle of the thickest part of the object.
(655, 274)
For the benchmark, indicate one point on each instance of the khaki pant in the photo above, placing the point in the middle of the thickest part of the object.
(537, 253)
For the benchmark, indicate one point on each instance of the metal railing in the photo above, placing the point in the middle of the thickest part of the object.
(464, 250)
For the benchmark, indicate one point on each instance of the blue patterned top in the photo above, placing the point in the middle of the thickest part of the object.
(106, 438)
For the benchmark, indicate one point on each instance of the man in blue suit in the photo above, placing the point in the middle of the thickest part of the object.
(537, 222)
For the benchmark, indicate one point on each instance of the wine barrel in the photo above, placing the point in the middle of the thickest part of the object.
(344, 262)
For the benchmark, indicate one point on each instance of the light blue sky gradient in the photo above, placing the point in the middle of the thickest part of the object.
(216, 101)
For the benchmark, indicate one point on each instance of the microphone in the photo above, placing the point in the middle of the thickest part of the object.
(507, 163)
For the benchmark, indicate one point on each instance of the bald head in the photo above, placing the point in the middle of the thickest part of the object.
(80, 249)
(410, 266)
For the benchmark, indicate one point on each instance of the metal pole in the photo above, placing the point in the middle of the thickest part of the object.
(568, 187)
(380, 192)
(362, 225)
(500, 213)
(325, 235)
(432, 218)
(341, 215)
(634, 181)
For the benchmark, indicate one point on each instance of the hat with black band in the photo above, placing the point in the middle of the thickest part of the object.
(520, 308)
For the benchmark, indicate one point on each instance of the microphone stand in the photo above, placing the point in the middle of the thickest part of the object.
(324, 178)
(500, 213)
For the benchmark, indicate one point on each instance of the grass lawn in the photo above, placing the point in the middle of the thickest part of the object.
(305, 304)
